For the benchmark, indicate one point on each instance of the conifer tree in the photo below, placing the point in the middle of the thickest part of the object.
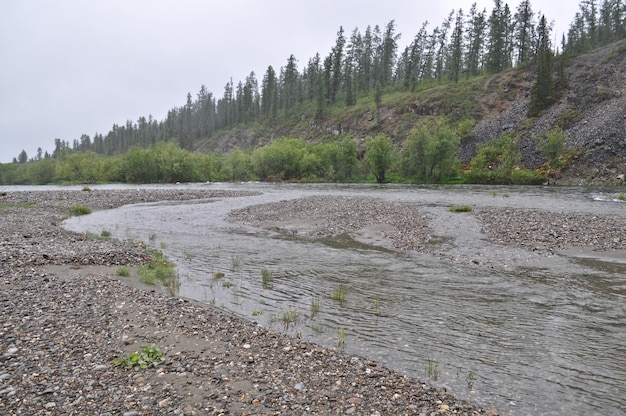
(542, 91)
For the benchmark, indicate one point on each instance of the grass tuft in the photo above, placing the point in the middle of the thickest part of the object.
(339, 294)
(160, 271)
(123, 271)
(460, 208)
(79, 210)
(267, 278)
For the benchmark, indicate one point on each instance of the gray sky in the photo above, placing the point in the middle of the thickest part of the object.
(69, 67)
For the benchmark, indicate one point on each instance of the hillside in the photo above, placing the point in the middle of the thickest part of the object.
(591, 112)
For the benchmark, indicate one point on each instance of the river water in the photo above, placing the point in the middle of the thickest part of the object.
(532, 335)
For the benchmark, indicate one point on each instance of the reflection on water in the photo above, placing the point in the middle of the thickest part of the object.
(539, 337)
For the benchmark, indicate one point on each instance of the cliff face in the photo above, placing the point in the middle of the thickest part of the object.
(591, 111)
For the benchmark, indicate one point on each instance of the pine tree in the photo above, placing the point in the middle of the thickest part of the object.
(456, 48)
(524, 32)
(475, 35)
(542, 91)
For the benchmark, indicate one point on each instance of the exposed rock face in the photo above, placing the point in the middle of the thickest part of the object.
(596, 104)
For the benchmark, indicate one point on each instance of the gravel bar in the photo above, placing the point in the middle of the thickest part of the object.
(65, 316)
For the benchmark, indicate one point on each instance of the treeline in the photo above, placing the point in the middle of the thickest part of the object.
(369, 63)
(429, 155)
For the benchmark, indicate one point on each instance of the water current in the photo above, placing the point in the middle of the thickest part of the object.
(530, 335)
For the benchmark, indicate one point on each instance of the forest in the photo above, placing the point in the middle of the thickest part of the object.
(361, 67)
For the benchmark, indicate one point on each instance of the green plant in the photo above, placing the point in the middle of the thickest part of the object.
(105, 234)
(257, 313)
(218, 275)
(163, 245)
(470, 379)
(123, 271)
(228, 285)
(341, 338)
(95, 236)
(148, 356)
(433, 369)
(236, 264)
(376, 306)
(79, 210)
(460, 208)
(339, 294)
(289, 316)
(318, 328)
(568, 117)
(315, 305)
(5, 205)
(266, 277)
(621, 197)
(159, 271)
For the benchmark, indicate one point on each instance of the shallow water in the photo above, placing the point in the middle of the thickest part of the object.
(526, 335)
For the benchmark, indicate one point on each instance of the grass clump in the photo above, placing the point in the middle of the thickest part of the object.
(123, 271)
(621, 197)
(315, 306)
(460, 208)
(433, 369)
(159, 271)
(79, 210)
(341, 338)
(339, 294)
(148, 356)
(5, 205)
(289, 317)
(266, 277)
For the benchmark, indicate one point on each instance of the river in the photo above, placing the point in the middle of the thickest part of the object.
(536, 335)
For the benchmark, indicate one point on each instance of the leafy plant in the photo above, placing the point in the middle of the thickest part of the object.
(148, 356)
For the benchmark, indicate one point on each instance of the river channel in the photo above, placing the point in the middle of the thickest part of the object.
(531, 334)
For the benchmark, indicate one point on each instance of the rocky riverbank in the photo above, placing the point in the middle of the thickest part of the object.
(65, 316)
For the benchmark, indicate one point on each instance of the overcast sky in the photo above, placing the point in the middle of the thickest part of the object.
(69, 67)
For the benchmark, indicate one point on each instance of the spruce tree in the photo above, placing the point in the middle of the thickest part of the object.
(542, 91)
